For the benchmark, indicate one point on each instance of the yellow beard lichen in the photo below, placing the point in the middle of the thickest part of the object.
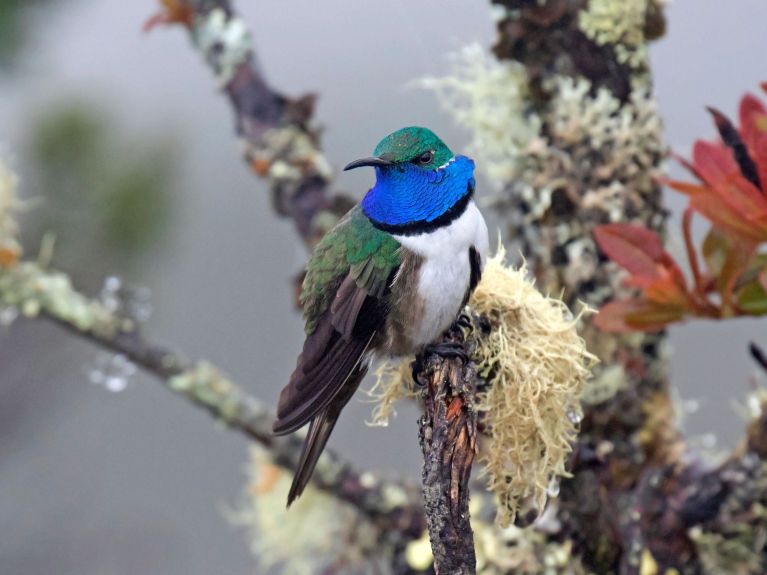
(318, 534)
(393, 382)
(535, 365)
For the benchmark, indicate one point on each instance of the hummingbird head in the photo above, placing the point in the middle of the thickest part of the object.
(413, 145)
(420, 183)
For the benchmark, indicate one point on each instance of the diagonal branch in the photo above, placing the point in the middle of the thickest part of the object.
(280, 144)
(394, 507)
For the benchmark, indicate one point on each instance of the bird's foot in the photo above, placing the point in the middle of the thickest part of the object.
(463, 321)
(444, 349)
(447, 350)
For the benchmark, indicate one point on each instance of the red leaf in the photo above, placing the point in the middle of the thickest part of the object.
(725, 216)
(760, 153)
(684, 187)
(713, 162)
(667, 291)
(633, 247)
(752, 117)
(629, 315)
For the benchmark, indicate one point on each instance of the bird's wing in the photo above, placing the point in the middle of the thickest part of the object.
(344, 297)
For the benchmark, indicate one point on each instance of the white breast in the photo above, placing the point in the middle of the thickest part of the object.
(446, 272)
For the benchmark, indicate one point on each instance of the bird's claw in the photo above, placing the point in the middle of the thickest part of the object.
(448, 350)
(463, 321)
(444, 349)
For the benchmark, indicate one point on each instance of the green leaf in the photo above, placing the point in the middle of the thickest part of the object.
(715, 251)
(752, 299)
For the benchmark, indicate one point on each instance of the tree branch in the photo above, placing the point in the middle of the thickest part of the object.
(49, 294)
(280, 144)
(448, 437)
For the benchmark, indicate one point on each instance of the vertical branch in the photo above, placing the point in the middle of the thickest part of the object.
(448, 437)
(597, 154)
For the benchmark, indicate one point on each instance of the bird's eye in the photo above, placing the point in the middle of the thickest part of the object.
(425, 158)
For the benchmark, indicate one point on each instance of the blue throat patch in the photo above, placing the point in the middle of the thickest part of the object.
(409, 199)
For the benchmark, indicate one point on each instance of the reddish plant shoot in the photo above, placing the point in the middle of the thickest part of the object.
(729, 273)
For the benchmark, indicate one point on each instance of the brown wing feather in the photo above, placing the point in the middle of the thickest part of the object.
(332, 354)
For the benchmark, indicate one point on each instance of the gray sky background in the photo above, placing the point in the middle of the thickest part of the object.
(134, 483)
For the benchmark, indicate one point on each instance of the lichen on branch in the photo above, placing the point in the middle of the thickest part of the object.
(533, 368)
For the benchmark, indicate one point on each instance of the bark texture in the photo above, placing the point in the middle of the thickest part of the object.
(448, 437)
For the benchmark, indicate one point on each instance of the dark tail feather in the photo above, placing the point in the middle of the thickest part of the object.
(319, 432)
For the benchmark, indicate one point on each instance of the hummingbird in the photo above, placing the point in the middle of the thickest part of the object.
(386, 281)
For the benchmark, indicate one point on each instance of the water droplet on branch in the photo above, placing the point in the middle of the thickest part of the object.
(574, 414)
(113, 372)
(691, 406)
(130, 302)
(553, 489)
(8, 315)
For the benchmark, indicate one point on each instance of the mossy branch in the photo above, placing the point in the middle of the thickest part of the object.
(38, 292)
(280, 144)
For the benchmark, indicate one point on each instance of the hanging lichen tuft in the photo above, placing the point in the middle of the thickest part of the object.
(318, 535)
(535, 365)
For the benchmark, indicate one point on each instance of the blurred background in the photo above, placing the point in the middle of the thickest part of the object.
(126, 153)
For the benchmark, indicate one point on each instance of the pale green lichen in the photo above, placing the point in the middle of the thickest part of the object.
(206, 385)
(318, 534)
(609, 147)
(604, 386)
(285, 155)
(523, 551)
(393, 381)
(224, 40)
(737, 543)
(490, 98)
(418, 553)
(620, 23)
(31, 290)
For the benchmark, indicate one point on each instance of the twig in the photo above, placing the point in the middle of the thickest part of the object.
(692, 256)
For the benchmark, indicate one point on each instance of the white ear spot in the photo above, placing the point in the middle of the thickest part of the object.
(446, 164)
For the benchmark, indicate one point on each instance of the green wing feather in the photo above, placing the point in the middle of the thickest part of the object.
(354, 247)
